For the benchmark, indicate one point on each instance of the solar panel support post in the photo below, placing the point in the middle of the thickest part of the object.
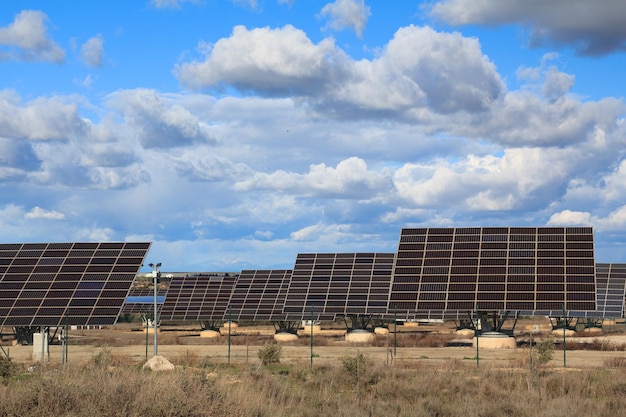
(43, 347)
(156, 273)
(63, 346)
(65, 341)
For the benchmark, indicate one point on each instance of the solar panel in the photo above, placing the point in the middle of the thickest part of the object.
(198, 298)
(445, 271)
(335, 284)
(141, 301)
(611, 289)
(51, 284)
(260, 295)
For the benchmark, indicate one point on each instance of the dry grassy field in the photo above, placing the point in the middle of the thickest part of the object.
(429, 375)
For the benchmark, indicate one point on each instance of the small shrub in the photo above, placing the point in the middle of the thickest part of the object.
(205, 362)
(269, 354)
(354, 365)
(103, 358)
(8, 369)
(545, 350)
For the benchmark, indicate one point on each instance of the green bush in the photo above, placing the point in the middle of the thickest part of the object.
(103, 358)
(270, 353)
(8, 369)
(355, 366)
(545, 350)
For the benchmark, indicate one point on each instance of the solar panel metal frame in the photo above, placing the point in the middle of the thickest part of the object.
(198, 298)
(259, 295)
(328, 285)
(611, 289)
(446, 272)
(75, 283)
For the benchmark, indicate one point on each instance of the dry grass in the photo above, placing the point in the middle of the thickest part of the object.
(595, 343)
(107, 386)
(614, 362)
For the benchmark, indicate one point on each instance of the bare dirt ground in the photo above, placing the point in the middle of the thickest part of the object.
(328, 348)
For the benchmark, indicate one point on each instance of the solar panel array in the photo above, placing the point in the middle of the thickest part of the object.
(335, 284)
(198, 298)
(51, 284)
(611, 289)
(494, 268)
(436, 272)
(259, 294)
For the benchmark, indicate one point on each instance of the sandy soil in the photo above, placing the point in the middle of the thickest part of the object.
(178, 345)
(322, 354)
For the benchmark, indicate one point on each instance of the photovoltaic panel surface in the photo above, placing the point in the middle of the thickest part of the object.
(335, 284)
(443, 271)
(611, 289)
(198, 298)
(52, 284)
(141, 301)
(260, 295)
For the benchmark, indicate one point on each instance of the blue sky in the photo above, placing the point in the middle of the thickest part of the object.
(235, 134)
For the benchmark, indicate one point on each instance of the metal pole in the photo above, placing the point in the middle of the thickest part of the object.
(156, 345)
(387, 349)
(67, 339)
(155, 278)
(63, 332)
(476, 334)
(395, 329)
(564, 342)
(312, 317)
(146, 330)
(228, 335)
(531, 348)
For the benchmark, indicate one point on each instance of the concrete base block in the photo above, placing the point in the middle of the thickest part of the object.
(495, 342)
(285, 337)
(559, 333)
(382, 331)
(150, 330)
(316, 329)
(360, 336)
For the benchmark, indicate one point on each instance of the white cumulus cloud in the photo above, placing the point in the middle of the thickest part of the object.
(92, 51)
(419, 68)
(590, 27)
(157, 121)
(26, 39)
(39, 213)
(349, 179)
(42, 119)
(352, 14)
